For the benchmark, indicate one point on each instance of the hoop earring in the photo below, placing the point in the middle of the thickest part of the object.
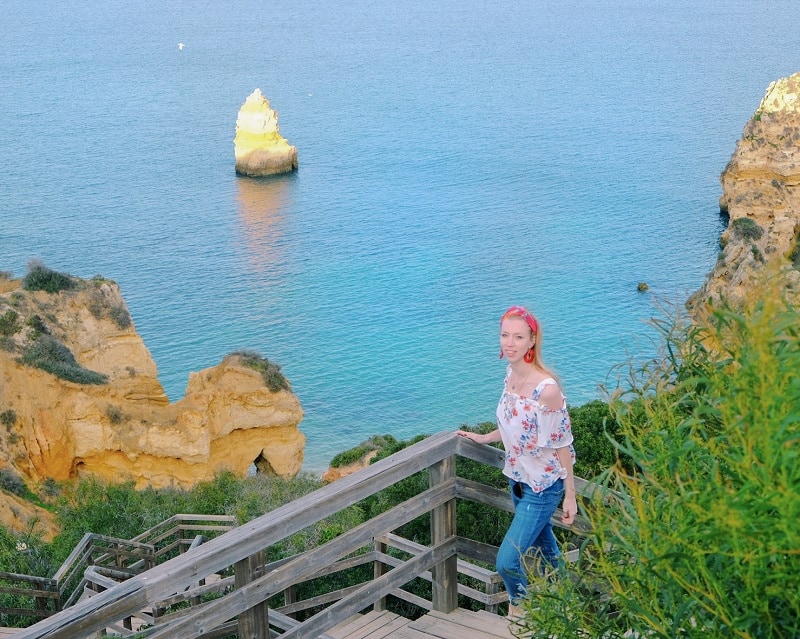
(501, 353)
(528, 357)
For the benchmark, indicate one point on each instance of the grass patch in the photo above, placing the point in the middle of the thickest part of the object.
(270, 371)
(744, 228)
(41, 278)
(53, 357)
(376, 442)
(9, 323)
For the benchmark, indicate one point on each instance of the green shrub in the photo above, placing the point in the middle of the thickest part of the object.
(351, 456)
(596, 433)
(10, 481)
(101, 306)
(37, 325)
(120, 316)
(52, 356)
(8, 418)
(41, 278)
(701, 540)
(9, 323)
(744, 228)
(115, 414)
(270, 371)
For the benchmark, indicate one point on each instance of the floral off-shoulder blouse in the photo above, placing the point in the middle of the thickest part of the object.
(531, 434)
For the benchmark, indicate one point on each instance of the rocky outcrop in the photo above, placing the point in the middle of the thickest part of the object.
(23, 517)
(105, 413)
(761, 195)
(259, 147)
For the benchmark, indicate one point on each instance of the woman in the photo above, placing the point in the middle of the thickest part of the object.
(534, 427)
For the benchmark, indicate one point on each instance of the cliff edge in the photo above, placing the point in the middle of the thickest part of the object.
(761, 195)
(79, 394)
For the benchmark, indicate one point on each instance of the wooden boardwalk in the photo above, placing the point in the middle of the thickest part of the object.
(459, 624)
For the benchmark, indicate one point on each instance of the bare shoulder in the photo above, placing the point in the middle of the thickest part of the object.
(551, 397)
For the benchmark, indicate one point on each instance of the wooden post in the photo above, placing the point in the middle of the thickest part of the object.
(379, 568)
(252, 622)
(290, 597)
(443, 525)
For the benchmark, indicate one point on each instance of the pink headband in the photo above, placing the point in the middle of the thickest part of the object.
(524, 313)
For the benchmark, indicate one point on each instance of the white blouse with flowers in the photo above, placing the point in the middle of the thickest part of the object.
(531, 433)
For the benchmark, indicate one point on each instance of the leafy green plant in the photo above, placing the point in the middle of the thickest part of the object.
(597, 433)
(37, 326)
(744, 228)
(50, 355)
(700, 539)
(102, 306)
(41, 278)
(351, 456)
(270, 371)
(10, 481)
(9, 323)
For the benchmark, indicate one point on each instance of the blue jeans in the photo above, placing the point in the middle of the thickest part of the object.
(529, 539)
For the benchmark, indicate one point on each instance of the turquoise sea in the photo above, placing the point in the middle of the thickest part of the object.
(456, 157)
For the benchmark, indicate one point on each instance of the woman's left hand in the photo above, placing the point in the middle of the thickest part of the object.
(569, 508)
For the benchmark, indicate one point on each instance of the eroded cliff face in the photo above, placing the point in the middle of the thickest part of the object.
(761, 194)
(126, 428)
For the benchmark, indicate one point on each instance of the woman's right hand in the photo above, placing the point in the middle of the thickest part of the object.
(488, 438)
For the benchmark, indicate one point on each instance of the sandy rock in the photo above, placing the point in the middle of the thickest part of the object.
(761, 194)
(258, 146)
(126, 429)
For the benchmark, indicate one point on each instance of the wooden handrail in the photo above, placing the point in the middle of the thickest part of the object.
(239, 545)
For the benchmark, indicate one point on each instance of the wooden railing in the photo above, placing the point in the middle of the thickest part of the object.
(97, 562)
(231, 567)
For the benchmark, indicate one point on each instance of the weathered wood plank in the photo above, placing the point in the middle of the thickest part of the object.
(90, 616)
(455, 627)
(385, 631)
(360, 626)
(299, 568)
(490, 624)
(371, 591)
(444, 576)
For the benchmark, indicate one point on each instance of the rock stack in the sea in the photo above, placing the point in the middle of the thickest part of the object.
(259, 147)
(761, 195)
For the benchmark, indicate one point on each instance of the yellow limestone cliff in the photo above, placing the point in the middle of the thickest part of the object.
(258, 146)
(761, 194)
(122, 426)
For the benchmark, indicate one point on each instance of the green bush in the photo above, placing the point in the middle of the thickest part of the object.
(9, 323)
(37, 326)
(270, 372)
(8, 418)
(744, 228)
(52, 356)
(10, 481)
(351, 456)
(41, 278)
(597, 433)
(102, 306)
(701, 540)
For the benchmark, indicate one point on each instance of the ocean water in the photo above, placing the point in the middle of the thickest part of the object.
(455, 157)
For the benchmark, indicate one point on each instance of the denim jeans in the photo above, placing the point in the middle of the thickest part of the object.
(529, 540)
